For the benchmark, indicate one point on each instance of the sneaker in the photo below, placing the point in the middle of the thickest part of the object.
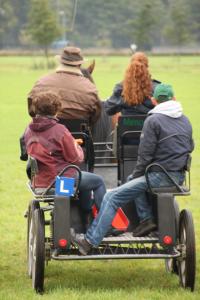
(114, 232)
(144, 228)
(83, 245)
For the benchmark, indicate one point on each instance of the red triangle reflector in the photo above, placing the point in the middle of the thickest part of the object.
(120, 221)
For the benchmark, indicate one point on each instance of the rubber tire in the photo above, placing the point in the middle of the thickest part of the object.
(187, 263)
(171, 264)
(34, 204)
(38, 251)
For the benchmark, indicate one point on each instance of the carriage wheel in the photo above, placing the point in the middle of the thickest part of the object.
(187, 262)
(38, 251)
(32, 206)
(171, 264)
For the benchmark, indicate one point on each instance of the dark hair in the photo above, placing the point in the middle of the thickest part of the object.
(47, 103)
(162, 98)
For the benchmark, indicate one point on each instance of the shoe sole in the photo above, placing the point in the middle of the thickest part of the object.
(82, 251)
(80, 247)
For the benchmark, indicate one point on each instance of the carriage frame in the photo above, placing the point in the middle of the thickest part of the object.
(53, 219)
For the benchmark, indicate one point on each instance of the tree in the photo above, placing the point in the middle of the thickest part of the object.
(105, 22)
(64, 13)
(144, 24)
(194, 14)
(7, 20)
(20, 10)
(119, 13)
(42, 24)
(112, 23)
(178, 30)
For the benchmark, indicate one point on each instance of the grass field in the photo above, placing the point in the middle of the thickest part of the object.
(131, 279)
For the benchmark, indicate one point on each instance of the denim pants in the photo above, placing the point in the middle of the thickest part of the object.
(134, 190)
(92, 189)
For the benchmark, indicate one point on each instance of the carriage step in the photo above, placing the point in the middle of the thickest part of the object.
(127, 238)
(117, 252)
(111, 256)
(124, 246)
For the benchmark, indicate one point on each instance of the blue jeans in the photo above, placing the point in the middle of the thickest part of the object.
(91, 182)
(134, 190)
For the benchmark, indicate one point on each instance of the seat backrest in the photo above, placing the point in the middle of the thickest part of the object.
(129, 123)
(128, 138)
(32, 169)
(39, 151)
(33, 166)
(80, 129)
(75, 125)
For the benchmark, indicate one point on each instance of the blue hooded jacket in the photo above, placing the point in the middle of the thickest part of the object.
(166, 139)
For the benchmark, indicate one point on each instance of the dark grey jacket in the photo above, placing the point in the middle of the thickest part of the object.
(165, 139)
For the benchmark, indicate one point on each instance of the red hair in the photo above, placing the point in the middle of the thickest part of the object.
(137, 83)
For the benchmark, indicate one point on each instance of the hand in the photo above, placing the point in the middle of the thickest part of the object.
(129, 178)
(79, 141)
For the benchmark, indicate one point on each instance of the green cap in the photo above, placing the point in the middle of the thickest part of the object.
(163, 92)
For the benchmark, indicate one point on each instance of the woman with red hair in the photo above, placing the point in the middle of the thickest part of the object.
(133, 94)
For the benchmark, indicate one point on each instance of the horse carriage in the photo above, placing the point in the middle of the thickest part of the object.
(53, 217)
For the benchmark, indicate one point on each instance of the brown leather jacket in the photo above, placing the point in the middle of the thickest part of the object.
(79, 95)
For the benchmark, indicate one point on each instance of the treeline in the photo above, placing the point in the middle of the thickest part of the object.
(99, 23)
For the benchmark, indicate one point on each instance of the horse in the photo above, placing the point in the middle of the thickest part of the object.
(102, 130)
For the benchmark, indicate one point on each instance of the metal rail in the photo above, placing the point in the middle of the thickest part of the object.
(115, 256)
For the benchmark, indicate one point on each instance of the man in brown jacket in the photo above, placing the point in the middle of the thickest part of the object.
(78, 94)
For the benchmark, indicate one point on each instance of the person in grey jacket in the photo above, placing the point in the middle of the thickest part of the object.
(166, 139)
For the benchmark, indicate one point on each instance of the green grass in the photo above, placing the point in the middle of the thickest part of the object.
(131, 279)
